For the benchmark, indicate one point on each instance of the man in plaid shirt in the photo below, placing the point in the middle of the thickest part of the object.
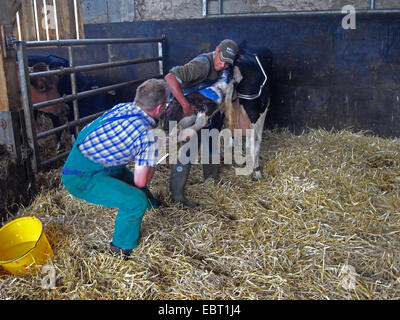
(96, 171)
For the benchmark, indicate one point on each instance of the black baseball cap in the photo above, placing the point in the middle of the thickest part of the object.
(228, 50)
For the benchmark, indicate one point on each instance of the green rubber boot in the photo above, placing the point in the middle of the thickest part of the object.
(177, 182)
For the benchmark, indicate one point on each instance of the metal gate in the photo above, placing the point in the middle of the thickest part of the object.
(32, 136)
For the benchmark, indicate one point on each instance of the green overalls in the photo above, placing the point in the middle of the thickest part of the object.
(112, 187)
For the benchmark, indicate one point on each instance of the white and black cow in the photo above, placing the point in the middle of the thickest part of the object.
(246, 103)
(253, 68)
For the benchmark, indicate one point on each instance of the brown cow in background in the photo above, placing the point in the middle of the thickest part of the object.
(45, 89)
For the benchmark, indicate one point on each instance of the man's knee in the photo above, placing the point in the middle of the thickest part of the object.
(137, 202)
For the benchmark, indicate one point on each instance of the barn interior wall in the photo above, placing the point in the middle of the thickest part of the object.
(323, 75)
(109, 11)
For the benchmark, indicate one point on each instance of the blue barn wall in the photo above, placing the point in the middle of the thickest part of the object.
(323, 76)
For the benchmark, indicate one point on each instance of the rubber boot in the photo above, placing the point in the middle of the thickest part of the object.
(211, 171)
(177, 182)
(124, 253)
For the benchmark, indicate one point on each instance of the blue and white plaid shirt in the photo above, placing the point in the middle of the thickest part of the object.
(124, 136)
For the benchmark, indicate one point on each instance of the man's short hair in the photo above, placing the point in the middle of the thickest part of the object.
(151, 93)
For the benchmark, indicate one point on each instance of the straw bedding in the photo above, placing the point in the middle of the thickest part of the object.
(323, 224)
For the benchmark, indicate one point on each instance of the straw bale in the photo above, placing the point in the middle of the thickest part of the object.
(324, 223)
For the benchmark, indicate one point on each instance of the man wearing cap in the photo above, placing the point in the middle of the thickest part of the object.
(195, 75)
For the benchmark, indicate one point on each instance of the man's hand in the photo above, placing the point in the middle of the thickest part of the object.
(188, 110)
(143, 175)
(175, 88)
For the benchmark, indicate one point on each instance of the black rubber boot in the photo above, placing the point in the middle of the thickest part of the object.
(177, 182)
(124, 253)
(211, 171)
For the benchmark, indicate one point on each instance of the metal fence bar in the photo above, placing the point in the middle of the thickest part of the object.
(372, 4)
(27, 104)
(161, 55)
(76, 123)
(83, 42)
(204, 8)
(47, 162)
(75, 102)
(63, 71)
(89, 93)
(69, 125)
(220, 7)
(29, 108)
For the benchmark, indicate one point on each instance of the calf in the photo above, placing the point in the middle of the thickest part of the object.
(208, 101)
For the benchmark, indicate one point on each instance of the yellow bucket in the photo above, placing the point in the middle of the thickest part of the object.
(23, 245)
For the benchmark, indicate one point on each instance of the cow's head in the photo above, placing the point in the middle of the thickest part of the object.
(45, 89)
(253, 69)
(247, 72)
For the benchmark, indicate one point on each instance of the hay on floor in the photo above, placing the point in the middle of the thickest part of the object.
(323, 224)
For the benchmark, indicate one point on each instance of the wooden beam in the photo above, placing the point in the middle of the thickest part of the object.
(9, 97)
(41, 20)
(8, 11)
(80, 20)
(65, 13)
(51, 20)
(66, 19)
(27, 18)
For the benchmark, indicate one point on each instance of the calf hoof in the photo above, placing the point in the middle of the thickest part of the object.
(186, 122)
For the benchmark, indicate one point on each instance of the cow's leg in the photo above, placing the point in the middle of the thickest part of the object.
(200, 122)
(258, 128)
(186, 122)
(212, 148)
